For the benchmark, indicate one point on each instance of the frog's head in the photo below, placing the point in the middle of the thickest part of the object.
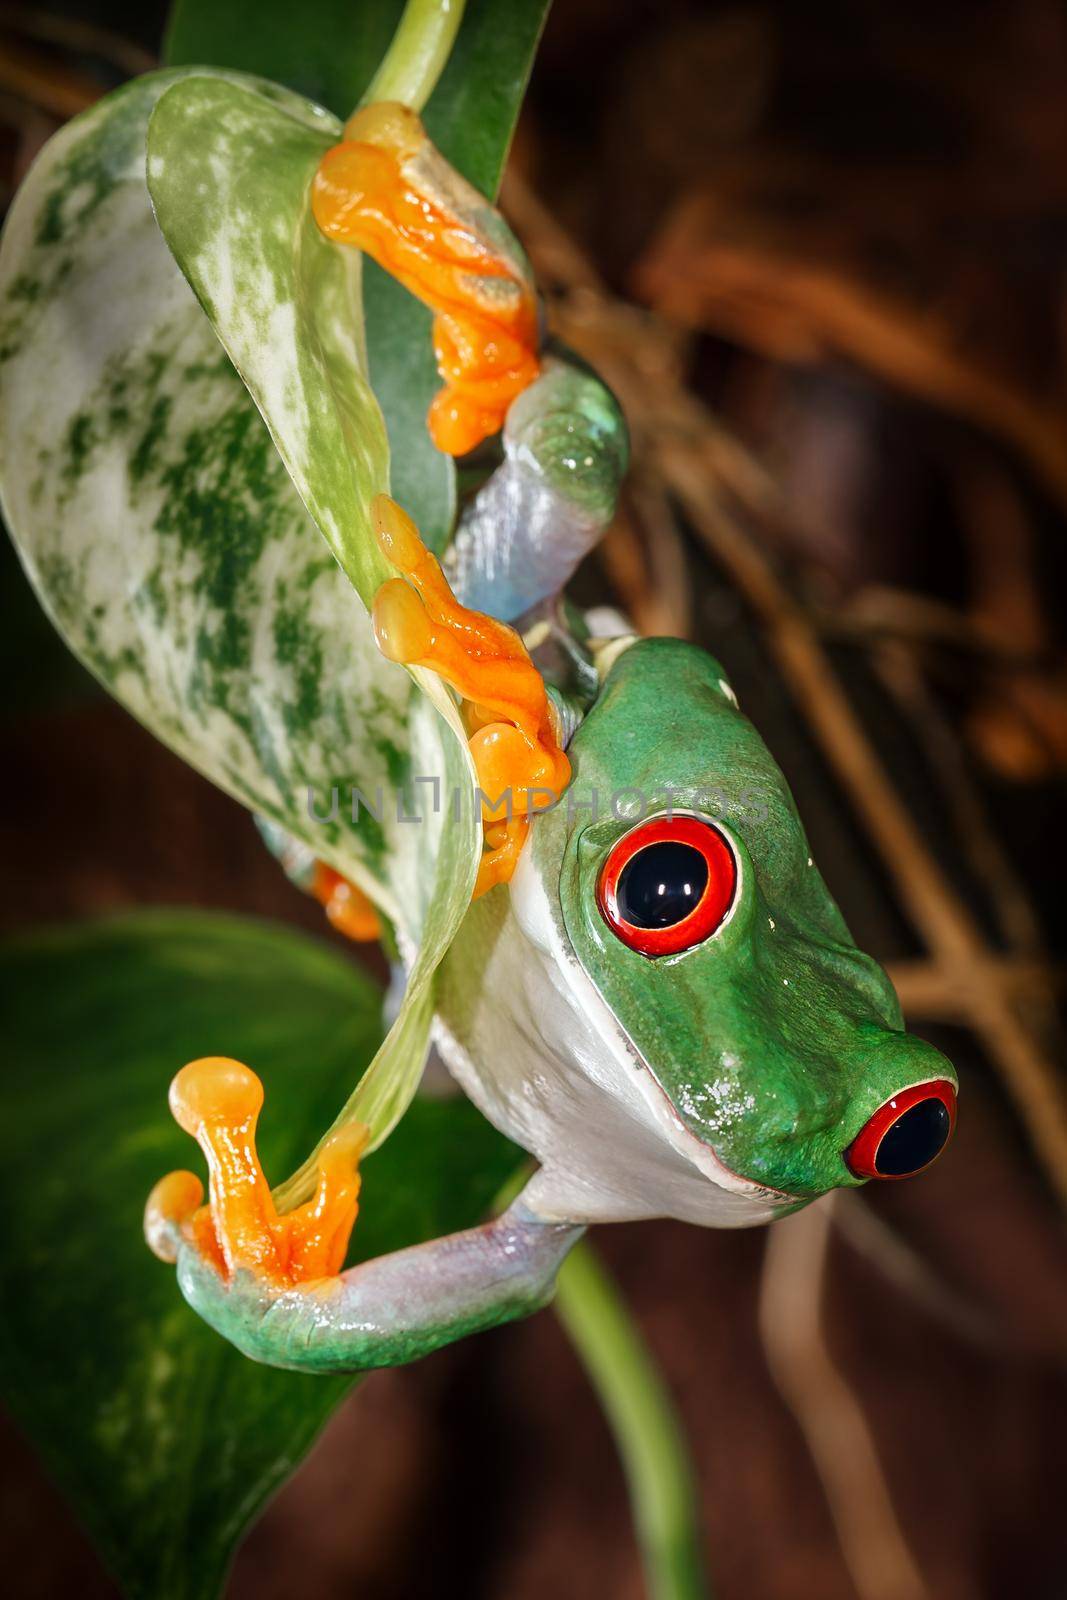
(690, 899)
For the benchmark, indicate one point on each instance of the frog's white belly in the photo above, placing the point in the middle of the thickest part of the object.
(536, 1048)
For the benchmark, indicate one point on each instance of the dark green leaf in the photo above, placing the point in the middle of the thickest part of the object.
(403, 375)
(472, 113)
(165, 1438)
(330, 49)
(326, 49)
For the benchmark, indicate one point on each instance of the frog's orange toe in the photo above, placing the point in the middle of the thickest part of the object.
(218, 1101)
(402, 628)
(503, 841)
(320, 1230)
(513, 776)
(458, 425)
(215, 1091)
(170, 1206)
(348, 909)
(398, 538)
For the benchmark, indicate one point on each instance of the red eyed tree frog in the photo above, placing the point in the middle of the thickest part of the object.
(653, 991)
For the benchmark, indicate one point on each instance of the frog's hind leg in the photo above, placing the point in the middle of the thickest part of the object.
(271, 1284)
(393, 1309)
(550, 501)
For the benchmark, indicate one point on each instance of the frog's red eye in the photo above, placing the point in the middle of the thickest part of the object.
(667, 885)
(906, 1134)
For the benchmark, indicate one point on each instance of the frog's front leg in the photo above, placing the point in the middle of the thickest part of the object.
(389, 192)
(271, 1284)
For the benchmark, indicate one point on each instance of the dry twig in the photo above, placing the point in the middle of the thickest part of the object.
(827, 1411)
(796, 310)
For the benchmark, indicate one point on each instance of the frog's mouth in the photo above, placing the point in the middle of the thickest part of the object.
(699, 1151)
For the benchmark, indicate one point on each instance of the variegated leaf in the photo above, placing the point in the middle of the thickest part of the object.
(162, 531)
(229, 173)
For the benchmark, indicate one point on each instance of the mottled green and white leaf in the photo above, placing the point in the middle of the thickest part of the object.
(163, 533)
(229, 173)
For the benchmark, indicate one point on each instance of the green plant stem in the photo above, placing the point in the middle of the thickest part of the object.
(644, 1423)
(416, 57)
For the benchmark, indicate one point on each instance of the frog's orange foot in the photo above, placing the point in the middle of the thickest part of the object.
(386, 190)
(218, 1101)
(514, 739)
(348, 909)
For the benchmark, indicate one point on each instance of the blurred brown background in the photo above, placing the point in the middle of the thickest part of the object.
(821, 252)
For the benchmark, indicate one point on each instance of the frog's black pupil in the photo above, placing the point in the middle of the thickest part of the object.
(661, 884)
(914, 1139)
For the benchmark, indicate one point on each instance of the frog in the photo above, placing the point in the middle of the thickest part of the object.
(652, 992)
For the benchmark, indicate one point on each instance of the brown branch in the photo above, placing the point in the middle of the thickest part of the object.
(882, 612)
(827, 1411)
(978, 838)
(870, 1236)
(798, 312)
(666, 597)
(939, 992)
(38, 79)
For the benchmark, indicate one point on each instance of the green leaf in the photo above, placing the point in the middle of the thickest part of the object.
(166, 1439)
(471, 115)
(328, 50)
(157, 521)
